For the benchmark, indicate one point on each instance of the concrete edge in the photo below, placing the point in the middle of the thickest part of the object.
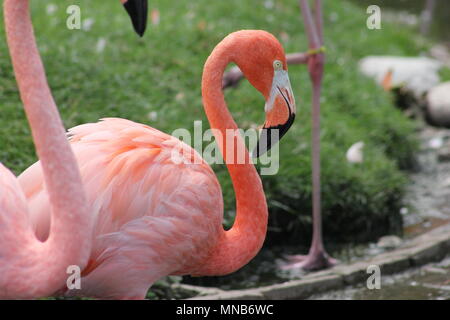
(429, 247)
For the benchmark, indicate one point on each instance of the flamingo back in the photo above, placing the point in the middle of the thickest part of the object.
(153, 216)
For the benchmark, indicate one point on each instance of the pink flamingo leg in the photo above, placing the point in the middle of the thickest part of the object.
(317, 257)
(30, 268)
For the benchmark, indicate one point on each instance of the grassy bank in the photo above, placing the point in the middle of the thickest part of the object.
(106, 71)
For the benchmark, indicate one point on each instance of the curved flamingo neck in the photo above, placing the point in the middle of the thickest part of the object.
(70, 234)
(237, 246)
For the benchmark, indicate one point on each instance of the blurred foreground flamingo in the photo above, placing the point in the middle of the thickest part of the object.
(30, 268)
(157, 206)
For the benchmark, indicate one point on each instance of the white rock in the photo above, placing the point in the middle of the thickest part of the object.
(100, 46)
(389, 242)
(355, 153)
(436, 142)
(417, 74)
(87, 24)
(441, 53)
(438, 104)
(153, 115)
(446, 183)
(268, 4)
(51, 8)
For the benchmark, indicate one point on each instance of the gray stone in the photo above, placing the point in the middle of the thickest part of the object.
(441, 53)
(444, 154)
(300, 289)
(353, 273)
(435, 270)
(202, 291)
(322, 273)
(389, 242)
(248, 294)
(438, 104)
(416, 74)
(392, 262)
(427, 253)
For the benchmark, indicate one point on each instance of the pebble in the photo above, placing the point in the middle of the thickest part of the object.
(438, 104)
(444, 154)
(435, 143)
(435, 270)
(354, 153)
(389, 242)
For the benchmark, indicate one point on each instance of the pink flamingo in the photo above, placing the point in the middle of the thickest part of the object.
(156, 217)
(28, 267)
(317, 258)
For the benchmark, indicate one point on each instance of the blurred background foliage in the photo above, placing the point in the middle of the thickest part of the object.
(105, 70)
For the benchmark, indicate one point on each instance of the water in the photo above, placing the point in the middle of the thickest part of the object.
(264, 270)
(411, 10)
(430, 282)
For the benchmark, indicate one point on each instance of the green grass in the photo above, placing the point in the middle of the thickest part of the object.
(161, 73)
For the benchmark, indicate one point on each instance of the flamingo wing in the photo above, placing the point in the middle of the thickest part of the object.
(152, 213)
(15, 231)
(12, 202)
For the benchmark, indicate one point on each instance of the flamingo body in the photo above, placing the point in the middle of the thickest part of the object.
(156, 206)
(151, 214)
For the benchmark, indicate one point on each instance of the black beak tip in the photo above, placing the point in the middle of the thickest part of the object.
(140, 32)
(270, 136)
(138, 11)
(264, 143)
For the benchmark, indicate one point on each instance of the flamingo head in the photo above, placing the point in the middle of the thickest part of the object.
(263, 62)
(138, 10)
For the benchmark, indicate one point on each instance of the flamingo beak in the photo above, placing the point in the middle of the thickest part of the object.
(280, 113)
(138, 11)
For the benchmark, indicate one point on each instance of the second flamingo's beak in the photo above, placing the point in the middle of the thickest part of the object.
(138, 11)
(280, 113)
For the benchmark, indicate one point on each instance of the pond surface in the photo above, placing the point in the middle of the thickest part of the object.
(263, 270)
(411, 10)
(430, 282)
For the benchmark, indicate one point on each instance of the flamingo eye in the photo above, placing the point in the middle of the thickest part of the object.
(277, 65)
